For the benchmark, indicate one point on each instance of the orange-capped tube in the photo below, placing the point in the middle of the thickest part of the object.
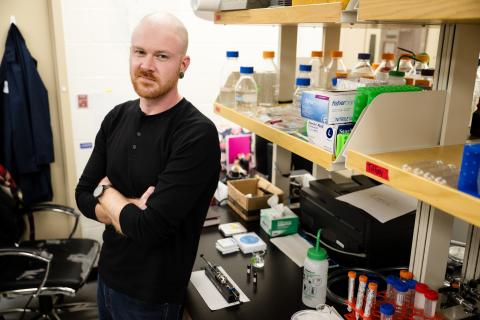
(351, 287)
(405, 274)
(360, 293)
(371, 297)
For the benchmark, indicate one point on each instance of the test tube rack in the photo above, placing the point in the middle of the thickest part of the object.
(406, 312)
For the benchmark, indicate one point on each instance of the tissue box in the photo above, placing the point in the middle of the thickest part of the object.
(278, 226)
(247, 196)
(325, 135)
(328, 106)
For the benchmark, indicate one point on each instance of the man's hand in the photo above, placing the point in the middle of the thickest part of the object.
(142, 201)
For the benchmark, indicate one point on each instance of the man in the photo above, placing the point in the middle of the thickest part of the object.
(150, 180)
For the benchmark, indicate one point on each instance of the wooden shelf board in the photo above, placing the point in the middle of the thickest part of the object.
(448, 199)
(314, 13)
(307, 150)
(420, 10)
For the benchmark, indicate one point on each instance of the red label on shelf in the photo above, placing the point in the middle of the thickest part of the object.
(377, 170)
(216, 108)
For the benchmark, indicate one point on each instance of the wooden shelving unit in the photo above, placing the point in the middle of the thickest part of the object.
(307, 150)
(463, 11)
(387, 168)
(314, 13)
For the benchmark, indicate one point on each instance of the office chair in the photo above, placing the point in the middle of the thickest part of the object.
(47, 270)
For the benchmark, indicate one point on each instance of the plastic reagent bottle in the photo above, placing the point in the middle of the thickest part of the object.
(315, 274)
(387, 311)
(424, 59)
(267, 80)
(246, 92)
(318, 70)
(406, 65)
(229, 76)
(302, 85)
(362, 69)
(396, 78)
(387, 65)
(305, 71)
(336, 68)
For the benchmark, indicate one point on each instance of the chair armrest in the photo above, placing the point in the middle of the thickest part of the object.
(34, 254)
(52, 207)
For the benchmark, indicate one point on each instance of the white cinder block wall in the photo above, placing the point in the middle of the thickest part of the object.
(97, 37)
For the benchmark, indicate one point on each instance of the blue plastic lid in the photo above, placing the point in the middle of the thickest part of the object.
(364, 56)
(411, 284)
(387, 309)
(305, 67)
(391, 279)
(232, 54)
(302, 82)
(400, 286)
(246, 70)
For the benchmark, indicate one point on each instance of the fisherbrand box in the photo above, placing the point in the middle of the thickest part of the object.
(328, 106)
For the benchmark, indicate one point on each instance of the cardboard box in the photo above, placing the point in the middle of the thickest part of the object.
(247, 196)
(325, 135)
(330, 107)
(278, 226)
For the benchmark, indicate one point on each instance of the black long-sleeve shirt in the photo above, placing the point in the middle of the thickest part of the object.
(177, 151)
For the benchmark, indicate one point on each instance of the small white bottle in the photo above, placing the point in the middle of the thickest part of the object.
(246, 92)
(315, 275)
(318, 73)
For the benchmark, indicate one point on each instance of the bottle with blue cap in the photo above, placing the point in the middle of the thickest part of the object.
(387, 311)
(315, 275)
(303, 84)
(246, 93)
(305, 71)
(229, 76)
(362, 69)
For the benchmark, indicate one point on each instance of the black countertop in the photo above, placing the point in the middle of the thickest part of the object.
(279, 289)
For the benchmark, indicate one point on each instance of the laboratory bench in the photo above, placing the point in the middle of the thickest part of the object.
(279, 289)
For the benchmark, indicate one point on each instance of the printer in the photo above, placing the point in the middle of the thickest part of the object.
(351, 236)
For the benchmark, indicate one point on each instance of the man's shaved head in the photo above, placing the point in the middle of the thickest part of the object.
(165, 21)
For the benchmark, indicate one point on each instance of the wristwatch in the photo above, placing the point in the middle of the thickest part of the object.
(100, 189)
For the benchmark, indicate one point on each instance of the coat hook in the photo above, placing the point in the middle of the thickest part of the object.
(13, 19)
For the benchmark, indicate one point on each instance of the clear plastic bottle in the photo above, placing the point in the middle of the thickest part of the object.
(318, 70)
(422, 64)
(387, 311)
(396, 78)
(406, 65)
(362, 69)
(336, 69)
(267, 80)
(305, 71)
(229, 76)
(246, 92)
(315, 276)
(431, 298)
(385, 66)
(302, 85)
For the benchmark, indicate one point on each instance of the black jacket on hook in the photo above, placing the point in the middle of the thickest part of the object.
(26, 144)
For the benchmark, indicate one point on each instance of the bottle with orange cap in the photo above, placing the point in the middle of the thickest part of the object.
(336, 69)
(318, 70)
(387, 64)
(406, 65)
(422, 63)
(267, 80)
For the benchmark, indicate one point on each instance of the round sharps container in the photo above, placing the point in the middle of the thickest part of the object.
(315, 273)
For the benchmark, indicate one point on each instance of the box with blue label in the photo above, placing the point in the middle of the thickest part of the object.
(325, 135)
(330, 107)
(278, 224)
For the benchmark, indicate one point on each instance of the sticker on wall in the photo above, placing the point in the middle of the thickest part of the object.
(82, 100)
(86, 145)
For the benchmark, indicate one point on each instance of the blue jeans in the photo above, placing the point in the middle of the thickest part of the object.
(113, 305)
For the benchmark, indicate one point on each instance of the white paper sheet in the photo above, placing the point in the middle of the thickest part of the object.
(210, 294)
(294, 246)
(381, 202)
